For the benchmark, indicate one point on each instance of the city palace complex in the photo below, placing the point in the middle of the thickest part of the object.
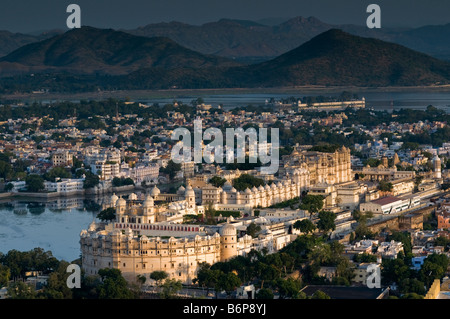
(149, 234)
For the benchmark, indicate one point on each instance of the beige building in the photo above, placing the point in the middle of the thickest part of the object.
(62, 158)
(145, 238)
(227, 197)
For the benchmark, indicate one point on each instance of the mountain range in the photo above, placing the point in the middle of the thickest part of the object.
(89, 59)
(90, 50)
(252, 42)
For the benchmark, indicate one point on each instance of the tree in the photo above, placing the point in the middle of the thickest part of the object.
(171, 169)
(170, 288)
(207, 277)
(113, 285)
(57, 172)
(253, 229)
(5, 275)
(21, 290)
(326, 221)
(312, 203)
(107, 214)
(385, 186)
(247, 181)
(319, 294)
(228, 282)
(264, 293)
(56, 287)
(305, 226)
(217, 181)
(434, 267)
(91, 180)
(35, 183)
(8, 187)
(159, 276)
(288, 288)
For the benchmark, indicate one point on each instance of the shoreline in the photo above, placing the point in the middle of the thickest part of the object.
(179, 93)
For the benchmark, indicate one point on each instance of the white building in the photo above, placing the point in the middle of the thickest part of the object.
(65, 186)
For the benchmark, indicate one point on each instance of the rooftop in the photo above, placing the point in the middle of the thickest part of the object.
(386, 200)
(344, 292)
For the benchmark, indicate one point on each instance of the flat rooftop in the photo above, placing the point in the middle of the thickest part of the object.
(386, 200)
(344, 292)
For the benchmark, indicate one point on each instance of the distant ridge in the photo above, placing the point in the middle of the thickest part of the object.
(110, 60)
(90, 50)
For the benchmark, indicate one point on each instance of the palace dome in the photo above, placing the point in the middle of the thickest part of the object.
(155, 191)
(189, 191)
(148, 202)
(228, 230)
(121, 202)
(114, 198)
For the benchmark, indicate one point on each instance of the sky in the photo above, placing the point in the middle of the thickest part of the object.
(37, 15)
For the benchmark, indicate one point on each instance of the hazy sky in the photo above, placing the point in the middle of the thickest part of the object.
(37, 15)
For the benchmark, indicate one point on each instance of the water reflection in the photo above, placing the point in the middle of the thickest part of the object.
(53, 224)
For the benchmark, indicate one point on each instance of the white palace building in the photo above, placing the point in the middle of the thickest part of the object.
(145, 237)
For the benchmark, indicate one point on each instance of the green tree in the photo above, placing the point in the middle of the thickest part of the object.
(326, 221)
(228, 282)
(57, 172)
(264, 293)
(35, 183)
(170, 288)
(247, 181)
(385, 186)
(56, 287)
(91, 180)
(8, 187)
(113, 285)
(217, 181)
(253, 229)
(5, 275)
(107, 214)
(312, 203)
(21, 290)
(159, 276)
(319, 294)
(305, 226)
(171, 169)
(288, 288)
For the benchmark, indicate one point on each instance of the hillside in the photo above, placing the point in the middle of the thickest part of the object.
(252, 42)
(338, 58)
(110, 60)
(89, 50)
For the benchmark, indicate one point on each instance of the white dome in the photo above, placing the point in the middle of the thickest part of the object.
(121, 202)
(155, 191)
(227, 186)
(132, 196)
(114, 198)
(228, 230)
(148, 202)
(189, 191)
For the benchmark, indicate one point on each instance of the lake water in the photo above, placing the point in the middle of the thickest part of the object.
(46, 225)
(377, 100)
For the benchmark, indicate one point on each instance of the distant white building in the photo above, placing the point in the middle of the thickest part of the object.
(65, 186)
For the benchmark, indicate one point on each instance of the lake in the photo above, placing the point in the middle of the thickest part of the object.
(52, 226)
(374, 99)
